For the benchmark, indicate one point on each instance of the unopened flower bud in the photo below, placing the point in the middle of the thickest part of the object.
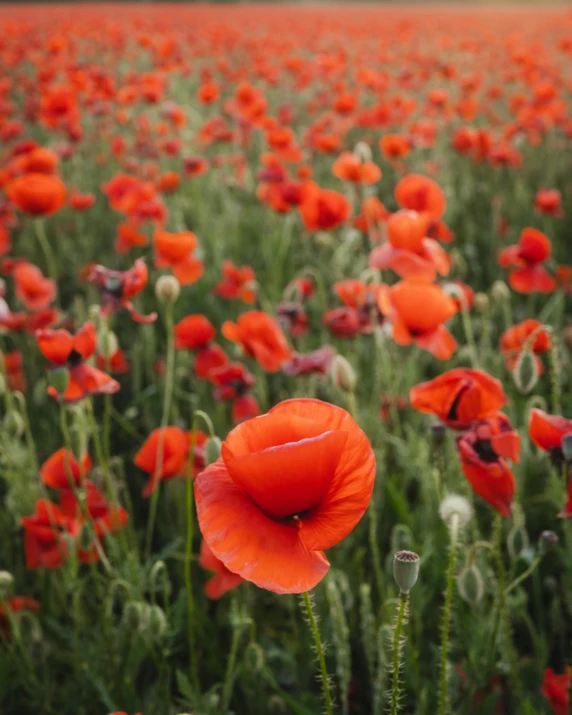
(455, 508)
(500, 292)
(157, 622)
(343, 373)
(481, 302)
(548, 540)
(167, 289)
(107, 344)
(6, 583)
(525, 372)
(13, 424)
(323, 238)
(213, 449)
(566, 444)
(363, 151)
(254, 657)
(517, 541)
(470, 584)
(134, 615)
(59, 379)
(406, 570)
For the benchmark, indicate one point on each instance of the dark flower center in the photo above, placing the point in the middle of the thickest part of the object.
(485, 451)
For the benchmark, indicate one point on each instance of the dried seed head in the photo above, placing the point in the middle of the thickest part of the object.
(406, 570)
(167, 289)
(456, 507)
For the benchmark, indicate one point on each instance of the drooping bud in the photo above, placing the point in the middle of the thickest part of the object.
(548, 540)
(470, 584)
(517, 541)
(343, 374)
(134, 615)
(213, 449)
(566, 444)
(500, 292)
(59, 379)
(157, 622)
(254, 657)
(13, 424)
(525, 372)
(406, 570)
(455, 508)
(167, 289)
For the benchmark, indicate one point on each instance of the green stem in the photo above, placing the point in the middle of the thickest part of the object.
(228, 678)
(30, 443)
(523, 576)
(375, 555)
(319, 650)
(443, 694)
(401, 616)
(188, 559)
(167, 400)
(46, 249)
(554, 373)
(469, 335)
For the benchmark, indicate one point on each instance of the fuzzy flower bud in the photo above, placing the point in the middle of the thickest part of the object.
(517, 542)
(526, 372)
(213, 449)
(406, 570)
(157, 622)
(500, 292)
(343, 374)
(481, 302)
(167, 289)
(470, 584)
(13, 424)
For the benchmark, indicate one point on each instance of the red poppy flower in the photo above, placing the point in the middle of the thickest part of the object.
(343, 322)
(57, 471)
(408, 251)
(261, 338)
(175, 251)
(459, 397)
(372, 218)
(301, 477)
(549, 202)
(300, 288)
(556, 689)
(293, 318)
(209, 358)
(350, 167)
(13, 366)
(35, 291)
(118, 287)
(528, 255)
(223, 579)
(38, 160)
(81, 202)
(323, 209)
(394, 146)
(546, 431)
(193, 332)
(128, 237)
(566, 513)
(230, 380)
(421, 194)
(45, 543)
(37, 194)
(195, 166)
(63, 349)
(176, 445)
(237, 282)
(482, 451)
(318, 362)
(515, 339)
(117, 364)
(417, 312)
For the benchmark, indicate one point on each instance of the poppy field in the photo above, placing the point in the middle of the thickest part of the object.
(285, 360)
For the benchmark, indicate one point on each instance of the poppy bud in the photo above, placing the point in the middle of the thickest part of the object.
(526, 372)
(59, 379)
(455, 507)
(438, 431)
(157, 622)
(167, 289)
(363, 151)
(459, 262)
(566, 444)
(213, 449)
(500, 292)
(481, 302)
(277, 705)
(548, 540)
(323, 238)
(133, 615)
(517, 541)
(343, 374)
(13, 424)
(254, 658)
(107, 344)
(6, 583)
(406, 570)
(470, 584)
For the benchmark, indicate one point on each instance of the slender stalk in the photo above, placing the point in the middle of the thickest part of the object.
(523, 576)
(554, 374)
(228, 678)
(373, 545)
(396, 664)
(320, 651)
(189, 509)
(167, 400)
(30, 443)
(445, 630)
(51, 264)
(468, 330)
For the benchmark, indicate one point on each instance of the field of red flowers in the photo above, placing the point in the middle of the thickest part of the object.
(285, 340)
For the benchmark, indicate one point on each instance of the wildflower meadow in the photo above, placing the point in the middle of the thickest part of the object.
(285, 359)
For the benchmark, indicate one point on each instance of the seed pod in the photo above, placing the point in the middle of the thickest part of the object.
(470, 584)
(406, 570)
